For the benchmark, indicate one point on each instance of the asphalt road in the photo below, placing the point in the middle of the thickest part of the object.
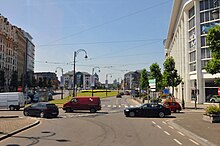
(109, 127)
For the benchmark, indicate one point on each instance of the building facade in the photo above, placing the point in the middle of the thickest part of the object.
(43, 79)
(132, 80)
(186, 43)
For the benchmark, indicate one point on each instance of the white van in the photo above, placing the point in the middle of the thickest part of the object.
(12, 100)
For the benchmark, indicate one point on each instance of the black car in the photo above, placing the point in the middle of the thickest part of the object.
(119, 96)
(42, 109)
(147, 110)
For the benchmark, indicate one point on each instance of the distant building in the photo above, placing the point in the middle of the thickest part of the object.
(132, 80)
(83, 80)
(46, 77)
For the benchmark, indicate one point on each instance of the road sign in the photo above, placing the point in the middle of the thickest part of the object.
(152, 84)
(218, 91)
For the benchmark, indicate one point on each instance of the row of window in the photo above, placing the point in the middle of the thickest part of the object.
(208, 4)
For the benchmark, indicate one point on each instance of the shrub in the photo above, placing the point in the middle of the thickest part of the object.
(212, 110)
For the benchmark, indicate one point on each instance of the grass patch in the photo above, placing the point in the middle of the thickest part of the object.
(60, 102)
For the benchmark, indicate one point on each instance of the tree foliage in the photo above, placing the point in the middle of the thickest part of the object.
(144, 84)
(155, 73)
(213, 40)
(170, 75)
(14, 81)
(2, 79)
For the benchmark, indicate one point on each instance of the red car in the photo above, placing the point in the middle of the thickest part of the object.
(173, 106)
(83, 103)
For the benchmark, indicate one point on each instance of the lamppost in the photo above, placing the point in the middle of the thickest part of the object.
(106, 82)
(61, 80)
(183, 102)
(93, 82)
(74, 66)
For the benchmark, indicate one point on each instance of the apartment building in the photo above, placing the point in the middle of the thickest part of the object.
(13, 52)
(186, 42)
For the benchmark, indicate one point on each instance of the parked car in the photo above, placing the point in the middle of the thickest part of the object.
(147, 110)
(127, 93)
(135, 93)
(215, 99)
(42, 109)
(173, 106)
(119, 96)
(83, 103)
(12, 100)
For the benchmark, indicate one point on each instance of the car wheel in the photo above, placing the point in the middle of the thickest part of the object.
(131, 114)
(161, 114)
(212, 101)
(42, 114)
(92, 110)
(177, 111)
(11, 108)
(68, 110)
(26, 113)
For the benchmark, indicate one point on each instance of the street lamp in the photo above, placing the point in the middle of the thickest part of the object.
(74, 66)
(61, 80)
(106, 82)
(93, 82)
(183, 102)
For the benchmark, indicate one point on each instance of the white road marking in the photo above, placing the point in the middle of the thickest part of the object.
(109, 105)
(194, 142)
(103, 105)
(164, 122)
(166, 132)
(114, 106)
(126, 106)
(177, 142)
(131, 106)
(153, 122)
(171, 127)
(181, 133)
(159, 126)
(119, 106)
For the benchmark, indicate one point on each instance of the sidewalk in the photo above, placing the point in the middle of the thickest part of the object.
(10, 125)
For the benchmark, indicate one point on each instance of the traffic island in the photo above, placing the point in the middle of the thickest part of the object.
(212, 118)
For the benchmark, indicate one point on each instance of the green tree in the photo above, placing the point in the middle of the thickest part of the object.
(155, 73)
(213, 40)
(44, 82)
(144, 84)
(40, 83)
(2, 79)
(170, 75)
(14, 81)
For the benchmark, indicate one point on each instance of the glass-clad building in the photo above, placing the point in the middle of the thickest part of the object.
(186, 42)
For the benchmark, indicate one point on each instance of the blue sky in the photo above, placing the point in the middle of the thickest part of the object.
(118, 35)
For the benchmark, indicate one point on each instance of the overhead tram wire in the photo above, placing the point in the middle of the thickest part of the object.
(113, 20)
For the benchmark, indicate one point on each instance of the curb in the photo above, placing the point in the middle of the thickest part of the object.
(11, 116)
(201, 140)
(19, 130)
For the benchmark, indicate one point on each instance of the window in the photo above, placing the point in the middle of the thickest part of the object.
(203, 41)
(206, 4)
(207, 16)
(202, 17)
(205, 53)
(192, 56)
(204, 63)
(193, 67)
(202, 5)
(191, 23)
(191, 12)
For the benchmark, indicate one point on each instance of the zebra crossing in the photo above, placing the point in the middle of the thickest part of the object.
(118, 106)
